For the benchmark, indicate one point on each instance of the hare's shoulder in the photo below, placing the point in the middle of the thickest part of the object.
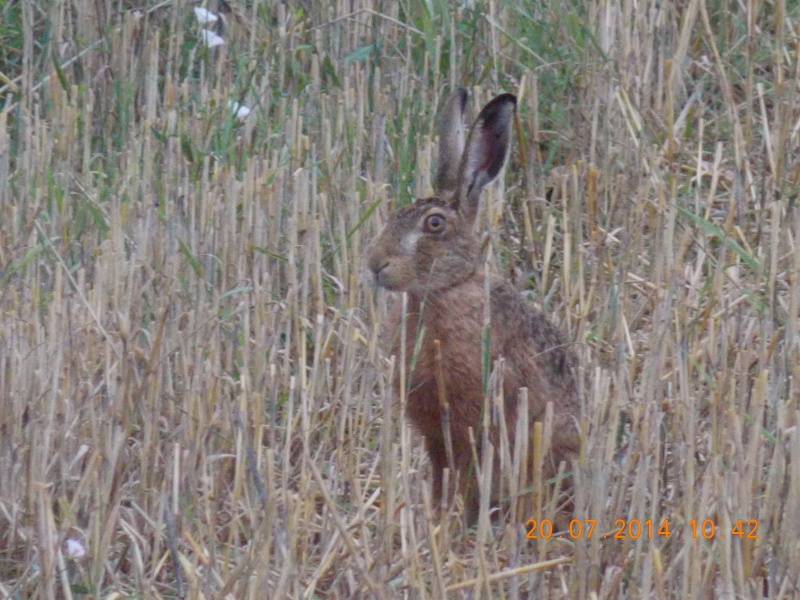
(521, 324)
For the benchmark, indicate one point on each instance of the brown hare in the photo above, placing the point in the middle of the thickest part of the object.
(428, 249)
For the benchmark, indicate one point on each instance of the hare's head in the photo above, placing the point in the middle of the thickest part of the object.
(429, 245)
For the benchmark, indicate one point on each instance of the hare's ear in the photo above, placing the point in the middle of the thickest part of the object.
(486, 152)
(451, 141)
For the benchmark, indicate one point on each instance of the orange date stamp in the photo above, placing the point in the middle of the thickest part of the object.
(632, 529)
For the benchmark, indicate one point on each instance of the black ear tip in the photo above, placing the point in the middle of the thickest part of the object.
(507, 98)
(499, 105)
(461, 96)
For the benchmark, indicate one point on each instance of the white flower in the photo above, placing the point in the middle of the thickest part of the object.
(75, 549)
(211, 39)
(204, 15)
(239, 110)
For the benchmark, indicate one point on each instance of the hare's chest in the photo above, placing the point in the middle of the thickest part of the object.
(452, 368)
(441, 349)
(427, 350)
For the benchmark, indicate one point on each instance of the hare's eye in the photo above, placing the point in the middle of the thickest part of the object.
(434, 224)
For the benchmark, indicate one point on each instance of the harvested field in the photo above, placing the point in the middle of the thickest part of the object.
(195, 399)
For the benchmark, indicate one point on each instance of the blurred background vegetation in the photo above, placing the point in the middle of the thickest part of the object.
(192, 382)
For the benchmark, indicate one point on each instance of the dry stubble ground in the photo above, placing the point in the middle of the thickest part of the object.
(193, 389)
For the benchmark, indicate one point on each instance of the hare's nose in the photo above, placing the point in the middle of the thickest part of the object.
(378, 267)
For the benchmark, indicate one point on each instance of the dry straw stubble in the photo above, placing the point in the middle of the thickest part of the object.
(190, 372)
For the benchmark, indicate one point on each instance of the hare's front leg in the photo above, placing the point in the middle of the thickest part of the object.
(463, 480)
(438, 458)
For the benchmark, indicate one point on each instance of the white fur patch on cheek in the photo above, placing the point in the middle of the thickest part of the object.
(409, 243)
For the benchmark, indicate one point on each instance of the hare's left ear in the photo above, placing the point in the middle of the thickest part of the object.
(485, 153)
(451, 142)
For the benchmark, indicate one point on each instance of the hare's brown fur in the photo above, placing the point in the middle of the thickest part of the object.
(439, 268)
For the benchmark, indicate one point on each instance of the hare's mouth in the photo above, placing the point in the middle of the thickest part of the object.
(385, 279)
(392, 275)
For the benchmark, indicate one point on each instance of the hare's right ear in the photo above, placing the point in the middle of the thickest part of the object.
(486, 152)
(451, 141)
